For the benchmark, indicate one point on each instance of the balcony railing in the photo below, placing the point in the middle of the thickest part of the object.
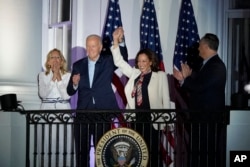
(58, 138)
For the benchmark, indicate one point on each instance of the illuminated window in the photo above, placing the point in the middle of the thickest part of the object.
(59, 30)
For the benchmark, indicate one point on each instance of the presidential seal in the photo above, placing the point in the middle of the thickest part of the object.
(121, 147)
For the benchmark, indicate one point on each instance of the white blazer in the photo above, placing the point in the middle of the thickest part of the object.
(158, 89)
(49, 89)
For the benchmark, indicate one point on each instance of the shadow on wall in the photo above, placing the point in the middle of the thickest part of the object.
(77, 53)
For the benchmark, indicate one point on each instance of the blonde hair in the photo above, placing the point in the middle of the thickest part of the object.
(63, 67)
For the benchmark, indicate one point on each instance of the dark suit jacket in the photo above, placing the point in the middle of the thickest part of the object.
(207, 87)
(101, 90)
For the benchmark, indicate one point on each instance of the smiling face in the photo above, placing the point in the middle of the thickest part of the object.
(143, 63)
(55, 61)
(93, 47)
(55, 58)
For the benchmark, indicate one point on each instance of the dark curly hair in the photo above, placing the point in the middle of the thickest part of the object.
(151, 56)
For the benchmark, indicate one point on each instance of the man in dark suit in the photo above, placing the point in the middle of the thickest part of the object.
(92, 77)
(206, 88)
(206, 92)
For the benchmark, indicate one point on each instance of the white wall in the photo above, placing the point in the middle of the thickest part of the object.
(238, 136)
(20, 42)
(20, 48)
(20, 59)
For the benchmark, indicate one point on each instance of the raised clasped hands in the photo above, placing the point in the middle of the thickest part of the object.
(118, 36)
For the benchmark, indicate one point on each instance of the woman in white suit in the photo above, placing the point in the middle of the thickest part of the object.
(147, 88)
(146, 63)
(52, 84)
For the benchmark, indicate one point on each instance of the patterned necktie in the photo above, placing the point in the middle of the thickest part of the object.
(139, 90)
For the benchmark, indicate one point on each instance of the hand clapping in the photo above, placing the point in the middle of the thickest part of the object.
(184, 73)
(56, 72)
(185, 70)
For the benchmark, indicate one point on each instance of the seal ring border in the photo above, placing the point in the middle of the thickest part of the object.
(122, 130)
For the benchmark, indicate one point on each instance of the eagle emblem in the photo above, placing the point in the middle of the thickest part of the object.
(122, 154)
(121, 147)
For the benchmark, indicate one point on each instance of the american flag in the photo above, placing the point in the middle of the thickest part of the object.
(149, 31)
(113, 21)
(186, 50)
(187, 38)
(150, 38)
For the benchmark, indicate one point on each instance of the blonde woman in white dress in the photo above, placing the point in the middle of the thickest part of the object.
(52, 84)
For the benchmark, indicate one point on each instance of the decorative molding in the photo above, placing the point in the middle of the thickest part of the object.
(27, 93)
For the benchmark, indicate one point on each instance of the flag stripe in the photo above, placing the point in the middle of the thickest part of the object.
(119, 87)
